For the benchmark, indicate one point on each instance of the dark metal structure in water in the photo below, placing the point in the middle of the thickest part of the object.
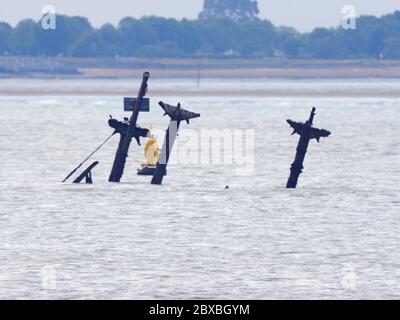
(128, 129)
(88, 157)
(87, 174)
(177, 115)
(306, 133)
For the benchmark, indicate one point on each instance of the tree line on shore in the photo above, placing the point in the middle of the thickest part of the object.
(157, 37)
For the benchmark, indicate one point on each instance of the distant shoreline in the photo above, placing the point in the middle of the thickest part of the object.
(120, 68)
(236, 94)
(207, 88)
(48, 82)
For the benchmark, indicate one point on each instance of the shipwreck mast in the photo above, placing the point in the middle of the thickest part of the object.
(306, 132)
(177, 115)
(127, 134)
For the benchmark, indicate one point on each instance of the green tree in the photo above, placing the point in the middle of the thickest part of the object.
(391, 49)
(67, 33)
(321, 44)
(256, 38)
(229, 9)
(227, 28)
(104, 42)
(5, 34)
(24, 38)
(135, 34)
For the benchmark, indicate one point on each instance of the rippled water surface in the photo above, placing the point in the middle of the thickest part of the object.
(336, 236)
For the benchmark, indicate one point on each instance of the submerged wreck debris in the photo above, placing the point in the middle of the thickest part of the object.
(177, 115)
(306, 133)
(87, 174)
(88, 157)
(129, 129)
(156, 165)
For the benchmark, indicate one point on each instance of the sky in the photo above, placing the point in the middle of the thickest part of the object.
(304, 15)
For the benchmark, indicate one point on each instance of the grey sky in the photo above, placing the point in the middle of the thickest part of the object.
(301, 14)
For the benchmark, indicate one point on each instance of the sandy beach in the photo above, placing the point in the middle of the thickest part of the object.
(198, 77)
(209, 87)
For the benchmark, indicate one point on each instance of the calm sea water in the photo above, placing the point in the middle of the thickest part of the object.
(336, 236)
